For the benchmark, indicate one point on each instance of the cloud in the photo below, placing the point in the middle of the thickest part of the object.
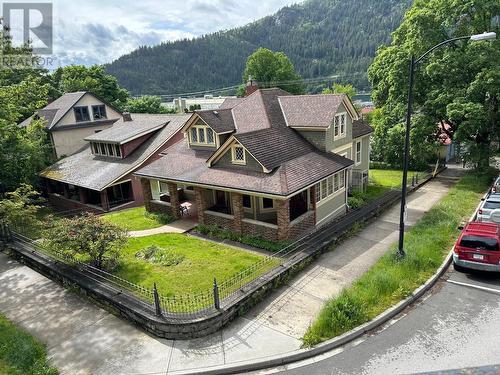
(96, 31)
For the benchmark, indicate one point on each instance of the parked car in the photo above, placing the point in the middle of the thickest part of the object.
(496, 187)
(477, 248)
(489, 209)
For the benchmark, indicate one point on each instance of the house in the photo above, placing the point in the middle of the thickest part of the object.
(98, 177)
(72, 117)
(270, 164)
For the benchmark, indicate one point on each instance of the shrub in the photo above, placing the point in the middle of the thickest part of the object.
(160, 255)
(355, 202)
(255, 241)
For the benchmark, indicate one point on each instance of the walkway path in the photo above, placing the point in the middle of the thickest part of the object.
(84, 339)
(179, 226)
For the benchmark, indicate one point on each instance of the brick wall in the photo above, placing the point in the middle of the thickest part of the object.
(218, 220)
(252, 229)
(283, 214)
(302, 225)
(237, 203)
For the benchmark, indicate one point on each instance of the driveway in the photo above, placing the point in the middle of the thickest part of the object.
(456, 325)
(84, 339)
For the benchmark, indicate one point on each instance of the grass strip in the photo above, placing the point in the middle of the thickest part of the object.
(390, 280)
(137, 219)
(20, 353)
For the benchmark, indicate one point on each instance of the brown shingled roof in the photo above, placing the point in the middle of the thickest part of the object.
(221, 120)
(310, 110)
(360, 128)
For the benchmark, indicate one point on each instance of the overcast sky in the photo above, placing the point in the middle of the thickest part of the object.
(99, 31)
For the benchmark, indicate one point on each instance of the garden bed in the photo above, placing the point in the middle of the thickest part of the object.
(391, 280)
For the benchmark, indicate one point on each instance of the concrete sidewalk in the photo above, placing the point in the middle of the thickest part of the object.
(178, 226)
(84, 339)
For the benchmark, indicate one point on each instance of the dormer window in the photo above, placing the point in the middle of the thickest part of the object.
(99, 111)
(339, 125)
(81, 114)
(238, 155)
(201, 135)
(106, 149)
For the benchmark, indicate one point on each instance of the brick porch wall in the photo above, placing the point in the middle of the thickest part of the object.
(252, 229)
(218, 220)
(283, 213)
(149, 203)
(237, 200)
(302, 225)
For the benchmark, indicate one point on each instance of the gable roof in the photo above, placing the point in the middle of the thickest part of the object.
(181, 164)
(125, 131)
(315, 111)
(221, 121)
(230, 103)
(55, 111)
(98, 172)
(360, 128)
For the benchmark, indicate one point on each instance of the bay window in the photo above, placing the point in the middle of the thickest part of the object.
(329, 186)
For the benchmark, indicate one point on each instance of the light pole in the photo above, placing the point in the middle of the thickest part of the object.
(413, 63)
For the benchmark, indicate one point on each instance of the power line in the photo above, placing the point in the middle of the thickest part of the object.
(264, 84)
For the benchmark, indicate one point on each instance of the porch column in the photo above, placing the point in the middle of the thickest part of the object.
(104, 200)
(200, 204)
(147, 194)
(237, 200)
(66, 190)
(312, 199)
(283, 214)
(83, 195)
(175, 202)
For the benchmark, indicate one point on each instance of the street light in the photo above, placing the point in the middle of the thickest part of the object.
(413, 63)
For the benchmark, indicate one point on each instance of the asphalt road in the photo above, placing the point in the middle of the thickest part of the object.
(456, 325)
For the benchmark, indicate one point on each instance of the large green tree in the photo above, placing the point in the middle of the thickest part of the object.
(94, 79)
(146, 104)
(458, 85)
(272, 69)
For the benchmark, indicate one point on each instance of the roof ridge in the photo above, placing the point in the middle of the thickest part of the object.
(312, 95)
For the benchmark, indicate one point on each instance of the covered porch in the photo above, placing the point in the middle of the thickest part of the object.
(274, 218)
(66, 196)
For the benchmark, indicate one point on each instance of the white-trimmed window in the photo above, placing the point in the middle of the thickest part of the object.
(329, 186)
(201, 135)
(358, 152)
(163, 188)
(238, 155)
(106, 149)
(266, 204)
(339, 125)
(247, 202)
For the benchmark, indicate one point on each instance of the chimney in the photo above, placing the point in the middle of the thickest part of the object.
(126, 116)
(251, 86)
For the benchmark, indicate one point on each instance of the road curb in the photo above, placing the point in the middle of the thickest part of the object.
(303, 354)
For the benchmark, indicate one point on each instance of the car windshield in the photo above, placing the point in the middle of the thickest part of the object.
(491, 205)
(479, 243)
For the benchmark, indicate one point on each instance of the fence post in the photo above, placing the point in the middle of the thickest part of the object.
(413, 180)
(416, 178)
(157, 300)
(216, 295)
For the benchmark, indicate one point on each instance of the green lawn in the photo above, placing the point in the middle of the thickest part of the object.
(391, 280)
(20, 353)
(136, 219)
(202, 262)
(389, 178)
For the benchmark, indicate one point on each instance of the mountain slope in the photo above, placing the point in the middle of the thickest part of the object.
(321, 37)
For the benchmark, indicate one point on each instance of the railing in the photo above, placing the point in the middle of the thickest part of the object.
(199, 304)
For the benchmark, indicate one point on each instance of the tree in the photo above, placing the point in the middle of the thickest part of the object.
(93, 79)
(457, 85)
(19, 208)
(337, 88)
(146, 104)
(96, 241)
(272, 69)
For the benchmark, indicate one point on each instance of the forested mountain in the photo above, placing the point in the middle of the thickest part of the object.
(321, 37)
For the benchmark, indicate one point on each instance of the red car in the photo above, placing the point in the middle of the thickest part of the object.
(477, 248)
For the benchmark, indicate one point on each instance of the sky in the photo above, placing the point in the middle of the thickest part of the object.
(98, 31)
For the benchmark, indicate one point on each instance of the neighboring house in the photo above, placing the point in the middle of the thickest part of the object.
(269, 164)
(72, 117)
(99, 176)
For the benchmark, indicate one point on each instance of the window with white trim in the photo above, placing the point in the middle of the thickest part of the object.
(266, 204)
(329, 186)
(163, 188)
(201, 135)
(339, 125)
(238, 155)
(358, 152)
(106, 149)
(247, 201)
